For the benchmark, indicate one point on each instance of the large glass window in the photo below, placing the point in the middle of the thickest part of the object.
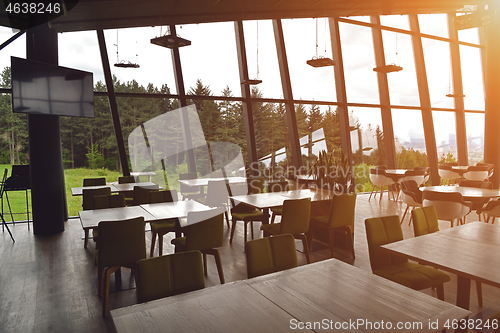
(434, 24)
(395, 21)
(309, 83)
(446, 135)
(472, 77)
(474, 123)
(409, 138)
(359, 61)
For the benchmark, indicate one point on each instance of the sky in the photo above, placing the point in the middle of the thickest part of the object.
(212, 58)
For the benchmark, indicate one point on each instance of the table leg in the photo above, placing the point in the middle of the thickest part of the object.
(265, 220)
(463, 292)
(86, 239)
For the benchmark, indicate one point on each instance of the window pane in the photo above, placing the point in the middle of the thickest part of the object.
(395, 21)
(472, 77)
(469, 35)
(216, 65)
(437, 65)
(358, 56)
(474, 123)
(446, 135)
(409, 138)
(403, 87)
(434, 24)
(262, 57)
(309, 83)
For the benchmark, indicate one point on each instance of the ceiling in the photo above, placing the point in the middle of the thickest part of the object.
(109, 14)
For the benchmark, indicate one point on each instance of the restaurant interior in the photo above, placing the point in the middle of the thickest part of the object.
(400, 109)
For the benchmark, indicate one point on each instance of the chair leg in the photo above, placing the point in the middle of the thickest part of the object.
(227, 218)
(382, 193)
(251, 228)
(440, 292)
(306, 248)
(310, 236)
(351, 241)
(232, 230)
(153, 241)
(107, 275)
(10, 233)
(245, 230)
(479, 290)
(160, 244)
(331, 241)
(373, 188)
(205, 263)
(406, 210)
(216, 255)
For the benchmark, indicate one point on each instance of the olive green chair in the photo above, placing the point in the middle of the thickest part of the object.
(169, 275)
(425, 222)
(94, 181)
(341, 219)
(121, 244)
(270, 254)
(276, 187)
(385, 230)
(141, 194)
(295, 221)
(108, 201)
(161, 227)
(89, 194)
(204, 232)
(129, 197)
(255, 185)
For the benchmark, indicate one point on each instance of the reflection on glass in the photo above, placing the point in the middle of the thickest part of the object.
(474, 123)
(437, 66)
(309, 83)
(409, 138)
(403, 87)
(446, 135)
(472, 77)
(434, 24)
(359, 61)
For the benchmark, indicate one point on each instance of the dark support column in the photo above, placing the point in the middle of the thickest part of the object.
(492, 89)
(112, 103)
(342, 111)
(179, 83)
(48, 193)
(287, 93)
(425, 100)
(247, 100)
(383, 88)
(458, 91)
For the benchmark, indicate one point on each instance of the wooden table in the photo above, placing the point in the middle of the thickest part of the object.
(177, 210)
(330, 292)
(77, 191)
(204, 181)
(115, 188)
(90, 218)
(467, 192)
(129, 187)
(470, 251)
(396, 174)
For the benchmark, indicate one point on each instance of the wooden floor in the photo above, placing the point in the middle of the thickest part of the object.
(47, 284)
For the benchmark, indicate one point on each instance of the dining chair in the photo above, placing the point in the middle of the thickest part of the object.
(425, 221)
(449, 206)
(387, 229)
(103, 202)
(477, 203)
(190, 192)
(255, 185)
(141, 194)
(490, 211)
(121, 244)
(491, 168)
(270, 254)
(427, 173)
(94, 181)
(448, 175)
(412, 196)
(129, 196)
(217, 196)
(161, 227)
(204, 232)
(380, 180)
(295, 220)
(2, 187)
(480, 173)
(272, 187)
(89, 194)
(340, 219)
(169, 275)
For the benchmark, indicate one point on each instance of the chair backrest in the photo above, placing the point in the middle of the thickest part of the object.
(2, 185)
(141, 194)
(169, 275)
(188, 189)
(380, 231)
(217, 193)
(94, 181)
(270, 254)
(411, 189)
(108, 201)
(295, 216)
(449, 206)
(446, 172)
(479, 173)
(126, 180)
(342, 210)
(277, 186)
(121, 243)
(205, 230)
(379, 177)
(255, 185)
(476, 183)
(89, 194)
(417, 175)
(162, 196)
(425, 220)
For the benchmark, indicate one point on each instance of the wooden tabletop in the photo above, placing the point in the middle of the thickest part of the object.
(177, 209)
(329, 292)
(467, 192)
(470, 251)
(76, 191)
(90, 218)
(314, 194)
(129, 187)
(204, 181)
(262, 200)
